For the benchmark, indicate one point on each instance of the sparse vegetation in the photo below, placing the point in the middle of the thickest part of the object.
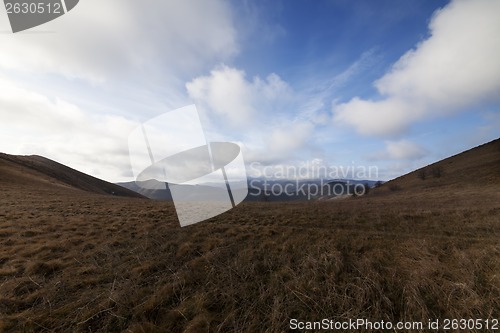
(422, 174)
(74, 261)
(437, 171)
(111, 264)
(394, 187)
(361, 190)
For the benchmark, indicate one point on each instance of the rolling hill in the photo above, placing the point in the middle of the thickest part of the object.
(475, 172)
(43, 173)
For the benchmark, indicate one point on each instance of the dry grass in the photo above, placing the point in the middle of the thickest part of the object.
(89, 263)
(72, 261)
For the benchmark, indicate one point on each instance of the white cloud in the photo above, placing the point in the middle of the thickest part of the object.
(57, 129)
(28, 109)
(264, 113)
(455, 68)
(389, 116)
(400, 150)
(130, 58)
(227, 93)
(99, 40)
(366, 60)
(290, 138)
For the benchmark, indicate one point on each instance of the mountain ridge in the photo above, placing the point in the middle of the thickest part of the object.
(33, 170)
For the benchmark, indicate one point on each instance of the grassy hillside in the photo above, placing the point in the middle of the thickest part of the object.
(73, 262)
(477, 169)
(40, 173)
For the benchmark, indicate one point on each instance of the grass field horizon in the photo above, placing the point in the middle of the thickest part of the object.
(421, 247)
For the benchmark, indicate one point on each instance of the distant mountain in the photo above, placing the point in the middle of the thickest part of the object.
(160, 191)
(261, 189)
(477, 169)
(40, 172)
(156, 190)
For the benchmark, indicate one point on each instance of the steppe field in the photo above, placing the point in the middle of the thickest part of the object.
(74, 260)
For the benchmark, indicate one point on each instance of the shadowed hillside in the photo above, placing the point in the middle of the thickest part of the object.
(37, 171)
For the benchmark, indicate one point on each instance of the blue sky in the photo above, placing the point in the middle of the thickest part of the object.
(308, 37)
(391, 84)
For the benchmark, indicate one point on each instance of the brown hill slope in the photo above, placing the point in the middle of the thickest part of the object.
(472, 172)
(42, 173)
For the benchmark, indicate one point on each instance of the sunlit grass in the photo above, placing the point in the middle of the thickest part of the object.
(115, 264)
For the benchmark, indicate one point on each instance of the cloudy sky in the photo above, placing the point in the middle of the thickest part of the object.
(392, 84)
